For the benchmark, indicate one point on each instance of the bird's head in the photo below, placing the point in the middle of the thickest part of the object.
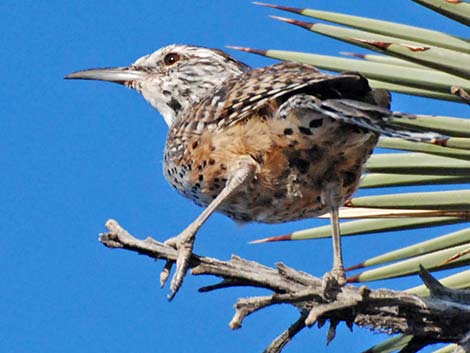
(173, 77)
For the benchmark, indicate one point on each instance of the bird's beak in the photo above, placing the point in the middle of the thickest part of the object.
(122, 75)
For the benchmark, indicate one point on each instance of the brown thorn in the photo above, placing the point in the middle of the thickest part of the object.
(440, 142)
(248, 50)
(307, 25)
(280, 7)
(353, 279)
(355, 267)
(284, 237)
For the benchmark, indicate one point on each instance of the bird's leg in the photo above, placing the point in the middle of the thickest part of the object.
(337, 276)
(338, 267)
(184, 242)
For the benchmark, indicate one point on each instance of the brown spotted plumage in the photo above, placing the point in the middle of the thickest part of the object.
(274, 144)
(297, 151)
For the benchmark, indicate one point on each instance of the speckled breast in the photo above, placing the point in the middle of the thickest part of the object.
(297, 160)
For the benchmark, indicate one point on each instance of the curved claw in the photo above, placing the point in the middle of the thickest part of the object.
(185, 251)
(185, 241)
(165, 273)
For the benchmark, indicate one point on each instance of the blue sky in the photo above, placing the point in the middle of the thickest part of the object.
(75, 154)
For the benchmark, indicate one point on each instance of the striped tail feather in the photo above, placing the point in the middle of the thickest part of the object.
(375, 118)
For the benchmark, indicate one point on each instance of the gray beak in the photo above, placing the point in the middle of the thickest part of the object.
(120, 75)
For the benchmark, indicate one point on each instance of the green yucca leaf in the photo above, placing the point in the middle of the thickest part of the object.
(366, 226)
(417, 163)
(462, 143)
(422, 63)
(438, 243)
(430, 261)
(414, 91)
(375, 212)
(459, 11)
(450, 348)
(375, 180)
(456, 200)
(390, 345)
(409, 76)
(383, 27)
(451, 126)
(437, 58)
(400, 144)
(430, 56)
(384, 59)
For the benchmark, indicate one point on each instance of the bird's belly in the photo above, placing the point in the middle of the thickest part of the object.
(294, 170)
(297, 191)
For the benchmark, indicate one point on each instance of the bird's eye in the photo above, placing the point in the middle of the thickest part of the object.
(171, 58)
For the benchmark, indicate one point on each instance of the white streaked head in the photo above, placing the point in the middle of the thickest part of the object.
(172, 78)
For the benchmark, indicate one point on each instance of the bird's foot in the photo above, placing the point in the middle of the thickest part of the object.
(184, 244)
(333, 282)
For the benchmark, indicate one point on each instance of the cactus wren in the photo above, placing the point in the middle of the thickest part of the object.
(274, 144)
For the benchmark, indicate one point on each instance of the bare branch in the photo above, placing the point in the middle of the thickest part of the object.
(442, 317)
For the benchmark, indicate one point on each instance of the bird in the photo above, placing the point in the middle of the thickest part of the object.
(273, 144)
